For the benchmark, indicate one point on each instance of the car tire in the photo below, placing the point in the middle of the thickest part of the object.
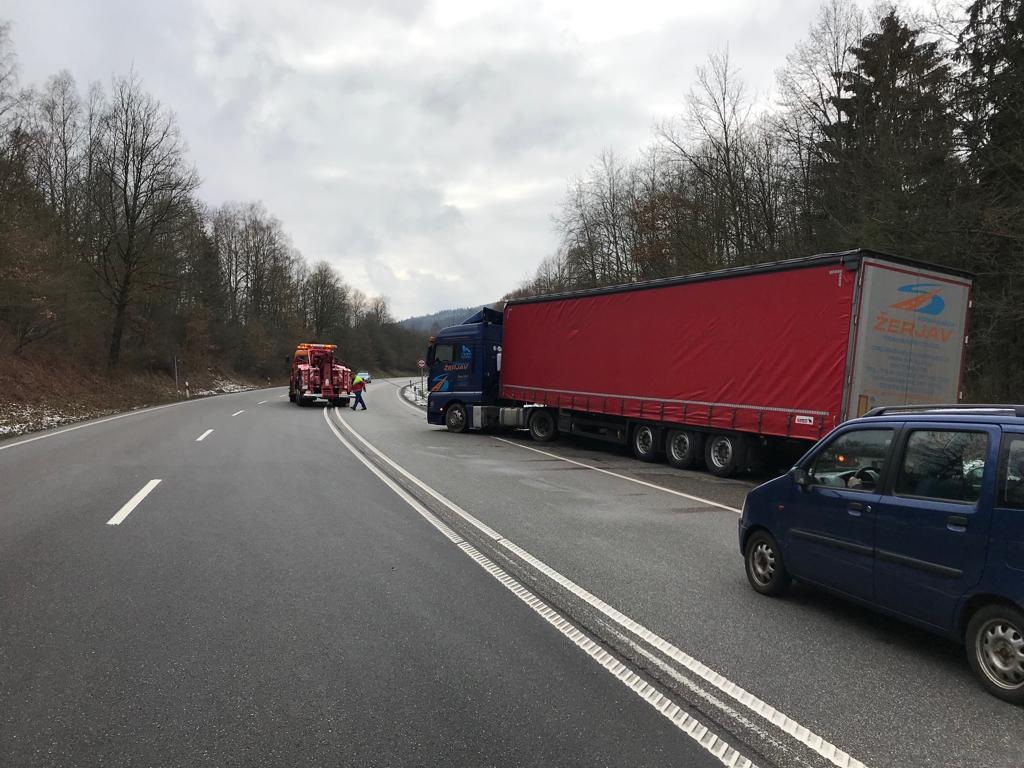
(542, 426)
(723, 454)
(765, 568)
(455, 418)
(683, 448)
(644, 442)
(995, 650)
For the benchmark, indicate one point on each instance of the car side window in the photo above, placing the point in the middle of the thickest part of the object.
(854, 460)
(943, 464)
(1011, 472)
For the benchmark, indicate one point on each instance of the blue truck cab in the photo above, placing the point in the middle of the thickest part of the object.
(915, 511)
(464, 365)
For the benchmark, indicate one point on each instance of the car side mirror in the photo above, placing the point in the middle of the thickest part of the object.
(801, 477)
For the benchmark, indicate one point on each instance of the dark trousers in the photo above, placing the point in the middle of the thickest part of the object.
(359, 400)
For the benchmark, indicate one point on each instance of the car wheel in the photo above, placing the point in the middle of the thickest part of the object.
(682, 448)
(455, 418)
(723, 454)
(766, 571)
(644, 443)
(995, 649)
(542, 426)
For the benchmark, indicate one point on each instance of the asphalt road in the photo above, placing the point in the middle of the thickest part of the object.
(304, 587)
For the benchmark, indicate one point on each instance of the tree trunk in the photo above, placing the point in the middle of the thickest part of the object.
(116, 334)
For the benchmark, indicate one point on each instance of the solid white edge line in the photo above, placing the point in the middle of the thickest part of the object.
(92, 423)
(482, 527)
(133, 502)
(656, 487)
(690, 726)
(204, 436)
(238, 412)
(401, 398)
(783, 722)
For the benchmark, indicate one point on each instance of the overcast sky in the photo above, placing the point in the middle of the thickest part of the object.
(420, 147)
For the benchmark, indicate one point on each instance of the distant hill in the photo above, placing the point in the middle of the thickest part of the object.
(438, 320)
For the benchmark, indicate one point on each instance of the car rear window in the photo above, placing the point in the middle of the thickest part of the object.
(1011, 473)
(943, 464)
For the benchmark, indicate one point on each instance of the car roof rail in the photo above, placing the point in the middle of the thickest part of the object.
(1000, 408)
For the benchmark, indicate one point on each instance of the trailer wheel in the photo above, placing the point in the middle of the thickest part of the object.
(455, 418)
(542, 426)
(723, 454)
(644, 443)
(682, 448)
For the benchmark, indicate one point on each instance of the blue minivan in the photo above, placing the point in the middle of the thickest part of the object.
(916, 511)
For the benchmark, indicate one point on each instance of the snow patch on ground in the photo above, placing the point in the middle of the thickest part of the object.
(415, 394)
(19, 418)
(223, 387)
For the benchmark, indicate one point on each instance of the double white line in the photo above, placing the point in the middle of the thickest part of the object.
(749, 701)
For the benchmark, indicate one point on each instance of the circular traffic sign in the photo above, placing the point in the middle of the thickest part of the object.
(421, 363)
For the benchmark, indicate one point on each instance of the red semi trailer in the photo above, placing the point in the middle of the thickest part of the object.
(716, 366)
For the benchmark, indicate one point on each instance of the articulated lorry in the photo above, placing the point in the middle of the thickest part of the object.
(722, 368)
(316, 373)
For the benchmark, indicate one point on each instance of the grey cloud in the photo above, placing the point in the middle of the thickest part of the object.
(423, 158)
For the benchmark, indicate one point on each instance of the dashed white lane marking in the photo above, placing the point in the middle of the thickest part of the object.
(284, 395)
(783, 722)
(133, 502)
(691, 497)
(690, 726)
(4, 446)
(261, 402)
(204, 436)
(238, 412)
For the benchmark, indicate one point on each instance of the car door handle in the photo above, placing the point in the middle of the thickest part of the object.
(956, 523)
(855, 508)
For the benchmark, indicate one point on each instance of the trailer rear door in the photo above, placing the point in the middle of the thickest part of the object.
(910, 334)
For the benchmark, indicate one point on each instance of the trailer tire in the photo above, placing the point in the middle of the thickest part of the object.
(455, 418)
(683, 448)
(724, 453)
(644, 442)
(542, 426)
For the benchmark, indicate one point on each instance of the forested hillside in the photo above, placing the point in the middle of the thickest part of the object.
(109, 259)
(432, 323)
(906, 137)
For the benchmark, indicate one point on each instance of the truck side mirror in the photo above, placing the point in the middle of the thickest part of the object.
(288, 360)
(801, 477)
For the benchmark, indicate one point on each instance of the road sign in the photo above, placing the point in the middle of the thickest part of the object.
(421, 363)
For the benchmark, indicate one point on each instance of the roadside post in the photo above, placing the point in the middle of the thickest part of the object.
(421, 364)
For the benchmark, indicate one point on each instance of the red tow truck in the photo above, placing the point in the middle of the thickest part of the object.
(317, 374)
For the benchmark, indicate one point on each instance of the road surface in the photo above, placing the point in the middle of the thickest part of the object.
(238, 581)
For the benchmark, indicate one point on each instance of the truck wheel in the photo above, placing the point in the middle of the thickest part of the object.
(455, 418)
(995, 649)
(644, 443)
(343, 402)
(723, 454)
(291, 397)
(766, 572)
(682, 448)
(542, 426)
